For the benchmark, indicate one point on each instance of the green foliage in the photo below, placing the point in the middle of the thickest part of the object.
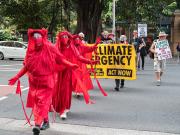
(134, 11)
(168, 10)
(6, 35)
(59, 14)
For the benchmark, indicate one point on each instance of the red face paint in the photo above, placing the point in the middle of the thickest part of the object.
(76, 41)
(38, 40)
(64, 39)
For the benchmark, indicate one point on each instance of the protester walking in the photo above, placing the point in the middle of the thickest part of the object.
(136, 42)
(120, 82)
(39, 64)
(178, 52)
(143, 53)
(63, 89)
(159, 65)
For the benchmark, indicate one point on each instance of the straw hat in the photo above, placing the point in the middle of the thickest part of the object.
(162, 34)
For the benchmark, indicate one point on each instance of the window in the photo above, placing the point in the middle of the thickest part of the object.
(9, 44)
(19, 45)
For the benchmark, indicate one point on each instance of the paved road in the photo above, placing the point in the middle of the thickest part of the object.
(140, 106)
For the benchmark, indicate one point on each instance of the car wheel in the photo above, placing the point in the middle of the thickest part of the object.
(1, 56)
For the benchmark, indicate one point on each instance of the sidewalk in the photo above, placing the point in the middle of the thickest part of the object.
(16, 127)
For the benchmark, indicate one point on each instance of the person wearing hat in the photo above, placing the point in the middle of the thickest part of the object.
(118, 82)
(159, 65)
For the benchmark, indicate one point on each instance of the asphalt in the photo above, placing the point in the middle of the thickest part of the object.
(140, 106)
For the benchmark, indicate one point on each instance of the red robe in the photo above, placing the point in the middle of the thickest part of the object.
(41, 81)
(82, 71)
(40, 67)
(63, 89)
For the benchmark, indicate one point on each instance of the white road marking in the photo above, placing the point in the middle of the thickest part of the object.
(11, 65)
(5, 97)
(9, 85)
(4, 70)
(2, 98)
(18, 126)
(25, 89)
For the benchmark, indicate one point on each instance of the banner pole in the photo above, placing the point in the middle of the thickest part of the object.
(114, 17)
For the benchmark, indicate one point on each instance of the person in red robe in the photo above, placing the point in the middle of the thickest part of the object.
(63, 90)
(39, 64)
(83, 81)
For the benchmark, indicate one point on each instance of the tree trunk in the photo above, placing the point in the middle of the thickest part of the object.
(88, 18)
(55, 13)
(178, 4)
(67, 14)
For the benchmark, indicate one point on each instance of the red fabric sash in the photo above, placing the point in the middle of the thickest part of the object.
(18, 91)
(97, 81)
(84, 91)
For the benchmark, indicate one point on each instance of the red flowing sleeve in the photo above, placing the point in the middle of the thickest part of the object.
(87, 49)
(78, 56)
(60, 59)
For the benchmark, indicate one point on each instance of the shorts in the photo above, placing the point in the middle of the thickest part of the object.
(159, 65)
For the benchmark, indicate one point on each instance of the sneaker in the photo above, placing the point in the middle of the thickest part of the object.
(116, 89)
(63, 116)
(142, 68)
(158, 83)
(45, 125)
(67, 111)
(36, 130)
(78, 95)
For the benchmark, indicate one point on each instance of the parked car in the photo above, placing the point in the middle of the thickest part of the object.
(12, 50)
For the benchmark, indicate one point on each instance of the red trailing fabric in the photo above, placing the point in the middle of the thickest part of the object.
(97, 81)
(85, 93)
(18, 88)
(18, 91)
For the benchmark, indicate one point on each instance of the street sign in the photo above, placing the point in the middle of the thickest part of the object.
(142, 30)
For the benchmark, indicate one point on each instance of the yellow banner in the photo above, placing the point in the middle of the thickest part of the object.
(117, 61)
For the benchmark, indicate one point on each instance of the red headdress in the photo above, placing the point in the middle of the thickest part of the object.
(39, 62)
(60, 41)
(31, 41)
(75, 42)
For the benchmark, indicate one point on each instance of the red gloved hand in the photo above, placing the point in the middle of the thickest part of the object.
(98, 40)
(13, 80)
(95, 47)
(95, 62)
(74, 66)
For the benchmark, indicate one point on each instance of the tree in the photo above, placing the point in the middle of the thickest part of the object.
(89, 17)
(178, 4)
